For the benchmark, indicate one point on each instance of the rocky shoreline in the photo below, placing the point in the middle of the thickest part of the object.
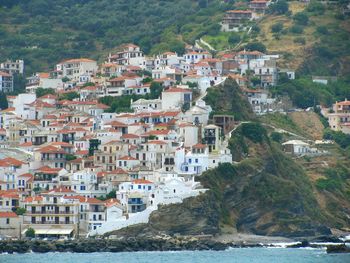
(134, 245)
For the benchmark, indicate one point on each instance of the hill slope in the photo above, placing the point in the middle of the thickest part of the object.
(43, 32)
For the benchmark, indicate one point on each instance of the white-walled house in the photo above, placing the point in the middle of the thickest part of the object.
(74, 68)
(175, 98)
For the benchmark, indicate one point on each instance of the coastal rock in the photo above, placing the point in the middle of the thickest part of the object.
(338, 249)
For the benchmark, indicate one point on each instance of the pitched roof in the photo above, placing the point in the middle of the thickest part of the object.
(8, 214)
(141, 181)
(10, 162)
(77, 60)
(176, 89)
(30, 199)
(128, 158)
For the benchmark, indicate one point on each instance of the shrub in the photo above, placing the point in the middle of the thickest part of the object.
(254, 131)
(258, 46)
(316, 8)
(280, 7)
(339, 137)
(278, 27)
(322, 30)
(20, 211)
(300, 40)
(30, 232)
(233, 39)
(256, 29)
(276, 136)
(296, 29)
(301, 18)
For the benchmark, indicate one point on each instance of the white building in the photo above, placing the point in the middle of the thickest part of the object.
(74, 68)
(6, 82)
(176, 98)
(13, 67)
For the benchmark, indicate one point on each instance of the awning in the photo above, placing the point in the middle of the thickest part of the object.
(51, 231)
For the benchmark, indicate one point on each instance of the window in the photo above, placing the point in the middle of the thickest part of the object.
(196, 160)
(7, 221)
(139, 187)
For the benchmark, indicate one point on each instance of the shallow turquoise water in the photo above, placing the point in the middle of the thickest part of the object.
(249, 255)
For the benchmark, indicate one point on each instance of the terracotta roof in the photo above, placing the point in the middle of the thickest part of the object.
(61, 189)
(344, 103)
(117, 124)
(156, 132)
(130, 136)
(33, 198)
(111, 202)
(128, 158)
(199, 146)
(82, 152)
(48, 170)
(4, 74)
(10, 162)
(77, 60)
(44, 75)
(175, 89)
(141, 181)
(8, 214)
(51, 149)
(62, 144)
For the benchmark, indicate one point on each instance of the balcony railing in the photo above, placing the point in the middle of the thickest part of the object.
(49, 222)
(50, 212)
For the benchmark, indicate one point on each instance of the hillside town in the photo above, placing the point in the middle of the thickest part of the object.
(72, 168)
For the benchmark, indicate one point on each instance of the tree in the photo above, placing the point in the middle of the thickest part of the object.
(70, 157)
(3, 101)
(203, 3)
(301, 18)
(280, 7)
(276, 136)
(69, 96)
(276, 28)
(20, 211)
(296, 29)
(254, 131)
(30, 232)
(156, 90)
(42, 92)
(233, 39)
(256, 46)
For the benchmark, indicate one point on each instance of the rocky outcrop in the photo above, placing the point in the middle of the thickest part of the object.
(338, 249)
(105, 245)
(195, 216)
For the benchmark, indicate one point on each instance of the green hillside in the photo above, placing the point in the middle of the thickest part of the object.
(43, 32)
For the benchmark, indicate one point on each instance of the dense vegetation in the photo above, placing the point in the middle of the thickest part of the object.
(305, 93)
(229, 99)
(266, 193)
(43, 32)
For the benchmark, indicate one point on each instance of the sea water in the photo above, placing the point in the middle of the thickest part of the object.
(241, 255)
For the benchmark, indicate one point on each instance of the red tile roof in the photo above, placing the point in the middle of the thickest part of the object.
(128, 158)
(10, 162)
(8, 214)
(141, 181)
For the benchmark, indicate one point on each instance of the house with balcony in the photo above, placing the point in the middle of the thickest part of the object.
(339, 117)
(235, 18)
(74, 68)
(6, 82)
(128, 54)
(50, 214)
